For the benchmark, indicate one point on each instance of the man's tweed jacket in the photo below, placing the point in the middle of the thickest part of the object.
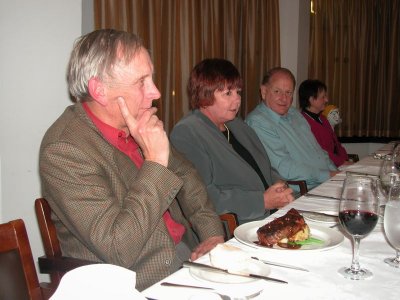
(107, 210)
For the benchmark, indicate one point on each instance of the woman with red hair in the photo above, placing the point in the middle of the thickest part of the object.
(227, 153)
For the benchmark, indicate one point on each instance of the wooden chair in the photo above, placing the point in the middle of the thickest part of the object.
(301, 183)
(230, 222)
(18, 277)
(53, 262)
(353, 158)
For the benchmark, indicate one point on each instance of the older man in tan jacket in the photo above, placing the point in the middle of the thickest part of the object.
(119, 192)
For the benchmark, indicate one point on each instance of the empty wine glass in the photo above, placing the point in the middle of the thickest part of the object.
(358, 215)
(382, 199)
(388, 174)
(394, 144)
(392, 223)
(396, 156)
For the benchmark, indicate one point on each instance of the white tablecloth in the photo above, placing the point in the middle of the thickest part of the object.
(323, 280)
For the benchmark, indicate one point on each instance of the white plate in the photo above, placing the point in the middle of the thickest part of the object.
(315, 217)
(247, 234)
(253, 267)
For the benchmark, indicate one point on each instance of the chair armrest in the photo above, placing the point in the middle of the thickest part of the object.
(301, 183)
(230, 222)
(353, 157)
(50, 264)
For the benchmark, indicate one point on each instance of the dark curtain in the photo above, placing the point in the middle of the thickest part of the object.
(354, 49)
(180, 33)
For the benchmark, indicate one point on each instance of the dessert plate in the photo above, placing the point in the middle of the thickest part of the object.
(253, 267)
(247, 234)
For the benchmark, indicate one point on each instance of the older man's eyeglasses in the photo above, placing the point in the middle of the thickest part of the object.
(279, 92)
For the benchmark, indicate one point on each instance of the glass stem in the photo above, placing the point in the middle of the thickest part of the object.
(397, 258)
(355, 265)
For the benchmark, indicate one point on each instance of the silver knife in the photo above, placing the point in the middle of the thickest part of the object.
(164, 283)
(361, 173)
(207, 267)
(317, 213)
(267, 262)
(320, 196)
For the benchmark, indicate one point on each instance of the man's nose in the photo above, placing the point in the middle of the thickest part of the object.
(153, 92)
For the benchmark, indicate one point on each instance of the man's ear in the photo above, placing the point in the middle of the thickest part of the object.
(263, 91)
(97, 90)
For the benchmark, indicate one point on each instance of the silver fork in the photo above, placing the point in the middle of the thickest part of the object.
(251, 296)
(227, 297)
(223, 297)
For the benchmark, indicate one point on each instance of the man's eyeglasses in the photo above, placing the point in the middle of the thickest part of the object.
(279, 92)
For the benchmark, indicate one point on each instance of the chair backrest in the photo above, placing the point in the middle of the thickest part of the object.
(53, 263)
(49, 236)
(47, 229)
(18, 277)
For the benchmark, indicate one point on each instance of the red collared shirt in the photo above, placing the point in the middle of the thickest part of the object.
(128, 146)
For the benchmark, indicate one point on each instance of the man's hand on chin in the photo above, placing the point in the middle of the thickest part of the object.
(206, 246)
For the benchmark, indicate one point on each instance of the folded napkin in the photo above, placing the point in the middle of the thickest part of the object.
(230, 258)
(98, 281)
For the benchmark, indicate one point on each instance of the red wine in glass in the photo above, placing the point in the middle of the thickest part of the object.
(358, 215)
(357, 222)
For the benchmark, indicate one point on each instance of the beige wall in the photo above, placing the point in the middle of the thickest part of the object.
(35, 42)
(294, 16)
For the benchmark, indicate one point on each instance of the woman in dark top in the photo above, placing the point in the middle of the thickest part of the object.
(313, 99)
(227, 153)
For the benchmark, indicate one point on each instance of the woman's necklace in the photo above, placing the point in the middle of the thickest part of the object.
(227, 129)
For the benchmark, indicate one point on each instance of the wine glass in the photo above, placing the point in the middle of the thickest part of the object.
(396, 155)
(388, 174)
(358, 215)
(394, 144)
(392, 223)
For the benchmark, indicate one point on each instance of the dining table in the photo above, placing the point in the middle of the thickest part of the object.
(320, 279)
